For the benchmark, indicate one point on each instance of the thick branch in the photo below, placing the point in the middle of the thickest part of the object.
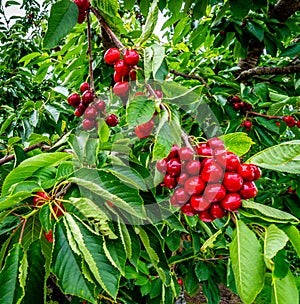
(269, 71)
(283, 9)
(189, 76)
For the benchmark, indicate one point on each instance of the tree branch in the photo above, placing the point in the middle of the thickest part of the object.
(189, 76)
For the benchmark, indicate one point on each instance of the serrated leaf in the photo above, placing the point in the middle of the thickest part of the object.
(238, 143)
(148, 55)
(256, 30)
(247, 262)
(63, 17)
(291, 51)
(7, 123)
(275, 240)
(240, 8)
(158, 57)
(294, 236)
(284, 157)
(125, 238)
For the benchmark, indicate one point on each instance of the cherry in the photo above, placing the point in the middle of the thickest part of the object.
(289, 120)
(121, 88)
(112, 120)
(179, 197)
(40, 197)
(212, 172)
(236, 106)
(298, 124)
(111, 56)
(58, 210)
(232, 181)
(80, 110)
(214, 193)
(84, 87)
(205, 216)
(139, 94)
(49, 236)
(219, 155)
(207, 160)
(87, 97)
(248, 190)
(185, 153)
(204, 150)
(236, 98)
(100, 105)
(193, 167)
(246, 171)
(278, 124)
(131, 57)
(132, 75)
(161, 165)
(188, 210)
(122, 68)
(199, 203)
(232, 161)
(74, 100)
(217, 211)
(257, 172)
(83, 5)
(159, 93)
(91, 113)
(247, 124)
(174, 151)
(231, 202)
(88, 124)
(182, 178)
(180, 281)
(144, 130)
(174, 166)
(215, 143)
(169, 181)
(81, 17)
(194, 185)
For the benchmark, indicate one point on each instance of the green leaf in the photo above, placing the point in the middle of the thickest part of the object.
(284, 157)
(27, 58)
(199, 9)
(285, 290)
(11, 291)
(240, 8)
(256, 30)
(148, 56)
(29, 166)
(291, 51)
(8, 223)
(63, 17)
(150, 23)
(294, 236)
(238, 143)
(7, 123)
(125, 238)
(158, 57)
(211, 291)
(277, 108)
(275, 240)
(247, 262)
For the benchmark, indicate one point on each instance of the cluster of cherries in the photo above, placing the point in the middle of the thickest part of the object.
(83, 6)
(291, 121)
(209, 182)
(124, 69)
(85, 105)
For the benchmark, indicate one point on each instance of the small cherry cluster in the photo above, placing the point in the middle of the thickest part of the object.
(210, 182)
(291, 121)
(124, 69)
(83, 6)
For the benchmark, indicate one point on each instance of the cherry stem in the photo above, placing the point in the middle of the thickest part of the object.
(22, 230)
(92, 84)
(264, 115)
(63, 191)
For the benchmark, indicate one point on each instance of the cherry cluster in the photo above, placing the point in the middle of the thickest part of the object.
(83, 6)
(291, 121)
(238, 104)
(209, 182)
(124, 69)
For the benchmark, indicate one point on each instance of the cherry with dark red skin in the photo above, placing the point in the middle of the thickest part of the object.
(205, 216)
(206, 161)
(48, 235)
(232, 161)
(246, 171)
(84, 87)
(188, 210)
(111, 56)
(219, 155)
(131, 57)
(174, 167)
(182, 178)
(174, 151)
(132, 75)
(88, 124)
(290, 121)
(212, 173)
(100, 105)
(193, 167)
(122, 68)
(40, 197)
(236, 106)
(112, 120)
(298, 124)
(247, 124)
(199, 203)
(87, 97)
(74, 100)
(232, 181)
(215, 143)
(180, 281)
(185, 153)
(121, 88)
(248, 190)
(231, 202)
(214, 193)
(58, 210)
(161, 165)
(80, 110)
(169, 181)
(204, 150)
(81, 17)
(236, 98)
(144, 130)
(194, 185)
(217, 211)
(119, 78)
(257, 172)
(83, 5)
(91, 113)
(179, 197)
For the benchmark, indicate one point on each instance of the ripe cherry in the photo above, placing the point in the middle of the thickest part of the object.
(40, 197)
(90, 113)
(232, 161)
(121, 88)
(194, 185)
(174, 166)
(161, 165)
(169, 181)
(100, 105)
(144, 130)
(88, 124)
(174, 151)
(248, 190)
(247, 124)
(216, 142)
(212, 172)
(132, 75)
(199, 203)
(74, 100)
(185, 153)
(257, 172)
(180, 281)
(59, 210)
(122, 68)
(80, 110)
(193, 167)
(84, 87)
(49, 236)
(231, 202)
(204, 150)
(131, 57)
(232, 181)
(188, 210)
(298, 124)
(87, 97)
(179, 197)
(217, 211)
(205, 216)
(236, 98)
(289, 120)
(182, 178)
(81, 17)
(111, 56)
(246, 171)
(214, 193)
(112, 120)
(83, 5)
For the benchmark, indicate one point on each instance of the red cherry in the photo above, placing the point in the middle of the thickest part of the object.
(59, 210)
(236, 99)
(144, 130)
(185, 153)
(131, 57)
(298, 124)
(169, 181)
(248, 190)
(179, 197)
(212, 172)
(278, 123)
(236, 106)
(174, 151)
(159, 93)
(139, 94)
(80, 110)
(83, 5)
(40, 197)
(257, 172)
(231, 202)
(182, 178)
(247, 124)
(49, 236)
(204, 150)
(188, 210)
(112, 120)
(90, 113)
(246, 171)
(132, 75)
(121, 88)
(232, 181)
(193, 167)
(87, 97)
(122, 68)
(205, 216)
(111, 56)
(216, 142)
(206, 161)
(194, 185)
(88, 124)
(74, 100)
(199, 203)
(232, 161)
(219, 155)
(81, 17)
(161, 165)
(214, 193)
(84, 87)
(174, 166)
(289, 120)
(180, 281)
(100, 105)
(217, 211)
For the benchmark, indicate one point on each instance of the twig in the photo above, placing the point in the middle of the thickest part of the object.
(22, 230)
(92, 85)
(264, 115)
(63, 191)
(190, 76)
